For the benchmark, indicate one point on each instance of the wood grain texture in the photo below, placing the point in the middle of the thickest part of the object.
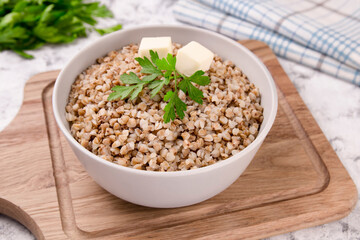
(295, 181)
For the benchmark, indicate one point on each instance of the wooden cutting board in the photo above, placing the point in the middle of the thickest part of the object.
(295, 181)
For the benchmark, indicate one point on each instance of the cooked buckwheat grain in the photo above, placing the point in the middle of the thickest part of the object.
(133, 134)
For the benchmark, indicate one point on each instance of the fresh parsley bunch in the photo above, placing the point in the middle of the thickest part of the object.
(161, 72)
(29, 24)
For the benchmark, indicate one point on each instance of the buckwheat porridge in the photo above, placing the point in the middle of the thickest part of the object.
(132, 133)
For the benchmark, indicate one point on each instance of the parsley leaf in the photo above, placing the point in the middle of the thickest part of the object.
(154, 56)
(147, 66)
(187, 87)
(130, 78)
(169, 108)
(198, 78)
(175, 103)
(167, 64)
(194, 93)
(109, 29)
(137, 90)
(156, 86)
(180, 107)
(120, 92)
(150, 77)
(123, 92)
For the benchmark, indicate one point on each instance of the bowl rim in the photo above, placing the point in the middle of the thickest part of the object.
(258, 140)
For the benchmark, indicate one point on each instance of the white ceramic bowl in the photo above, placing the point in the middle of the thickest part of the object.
(167, 189)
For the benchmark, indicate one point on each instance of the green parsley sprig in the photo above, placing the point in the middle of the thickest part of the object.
(29, 24)
(160, 72)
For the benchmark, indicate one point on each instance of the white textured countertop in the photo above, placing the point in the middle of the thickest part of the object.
(335, 105)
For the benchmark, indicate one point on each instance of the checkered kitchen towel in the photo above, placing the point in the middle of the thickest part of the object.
(321, 34)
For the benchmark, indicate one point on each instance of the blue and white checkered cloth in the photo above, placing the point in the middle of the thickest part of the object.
(321, 34)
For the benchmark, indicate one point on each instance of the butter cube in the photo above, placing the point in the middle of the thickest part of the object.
(161, 45)
(193, 57)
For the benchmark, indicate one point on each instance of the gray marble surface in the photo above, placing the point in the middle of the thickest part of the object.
(335, 105)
